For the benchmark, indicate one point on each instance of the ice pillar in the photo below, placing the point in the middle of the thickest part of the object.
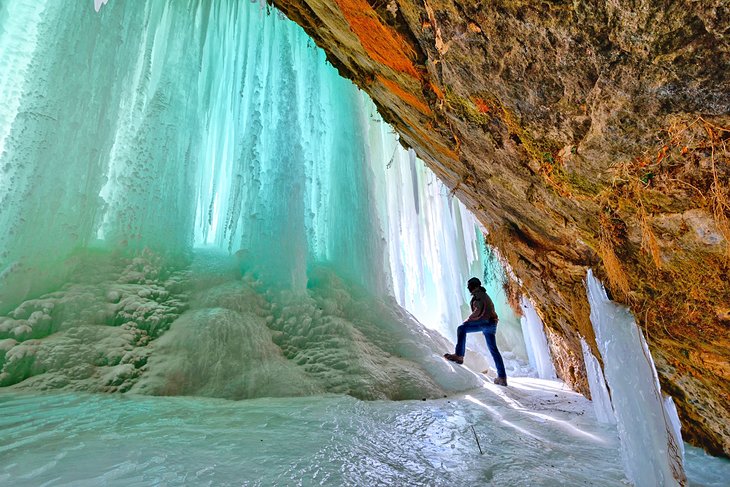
(650, 446)
(536, 342)
(597, 383)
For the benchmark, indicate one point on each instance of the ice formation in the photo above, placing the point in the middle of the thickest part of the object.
(99, 3)
(214, 125)
(536, 342)
(174, 126)
(600, 397)
(651, 445)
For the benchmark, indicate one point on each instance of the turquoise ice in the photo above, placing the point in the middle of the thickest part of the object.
(195, 202)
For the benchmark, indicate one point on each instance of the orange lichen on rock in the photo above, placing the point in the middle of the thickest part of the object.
(481, 105)
(474, 27)
(437, 91)
(382, 43)
(409, 98)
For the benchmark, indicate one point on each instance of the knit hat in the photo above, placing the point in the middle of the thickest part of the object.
(473, 283)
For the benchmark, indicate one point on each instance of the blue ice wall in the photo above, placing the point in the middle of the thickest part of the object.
(100, 128)
(172, 123)
(286, 181)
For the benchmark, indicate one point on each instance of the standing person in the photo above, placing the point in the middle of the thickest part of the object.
(482, 318)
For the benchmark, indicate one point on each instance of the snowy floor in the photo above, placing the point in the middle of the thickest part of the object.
(533, 433)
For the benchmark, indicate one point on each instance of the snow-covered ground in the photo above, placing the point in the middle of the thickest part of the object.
(535, 432)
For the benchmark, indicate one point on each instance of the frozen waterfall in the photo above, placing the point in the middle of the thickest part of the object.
(232, 218)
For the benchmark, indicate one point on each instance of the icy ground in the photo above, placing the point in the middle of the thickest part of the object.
(535, 432)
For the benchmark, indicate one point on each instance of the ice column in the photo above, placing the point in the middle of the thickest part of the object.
(650, 446)
(536, 342)
(286, 182)
(57, 124)
(18, 42)
(599, 392)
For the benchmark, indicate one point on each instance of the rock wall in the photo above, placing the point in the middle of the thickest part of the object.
(582, 134)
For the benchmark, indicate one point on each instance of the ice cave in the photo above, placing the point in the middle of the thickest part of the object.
(222, 262)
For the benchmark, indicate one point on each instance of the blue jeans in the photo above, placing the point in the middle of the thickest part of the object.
(489, 328)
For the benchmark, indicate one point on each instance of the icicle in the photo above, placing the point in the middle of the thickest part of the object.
(98, 4)
(599, 392)
(671, 410)
(651, 452)
(536, 342)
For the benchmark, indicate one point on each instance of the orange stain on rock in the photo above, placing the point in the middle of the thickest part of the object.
(427, 141)
(407, 97)
(382, 43)
(437, 90)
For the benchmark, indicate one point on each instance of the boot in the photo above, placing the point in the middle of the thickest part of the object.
(501, 381)
(459, 359)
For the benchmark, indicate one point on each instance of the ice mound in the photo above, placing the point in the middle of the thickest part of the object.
(205, 329)
(91, 334)
(222, 353)
(242, 339)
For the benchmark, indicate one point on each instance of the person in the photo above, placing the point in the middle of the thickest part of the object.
(482, 318)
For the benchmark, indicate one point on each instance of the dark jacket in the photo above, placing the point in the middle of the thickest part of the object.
(482, 307)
